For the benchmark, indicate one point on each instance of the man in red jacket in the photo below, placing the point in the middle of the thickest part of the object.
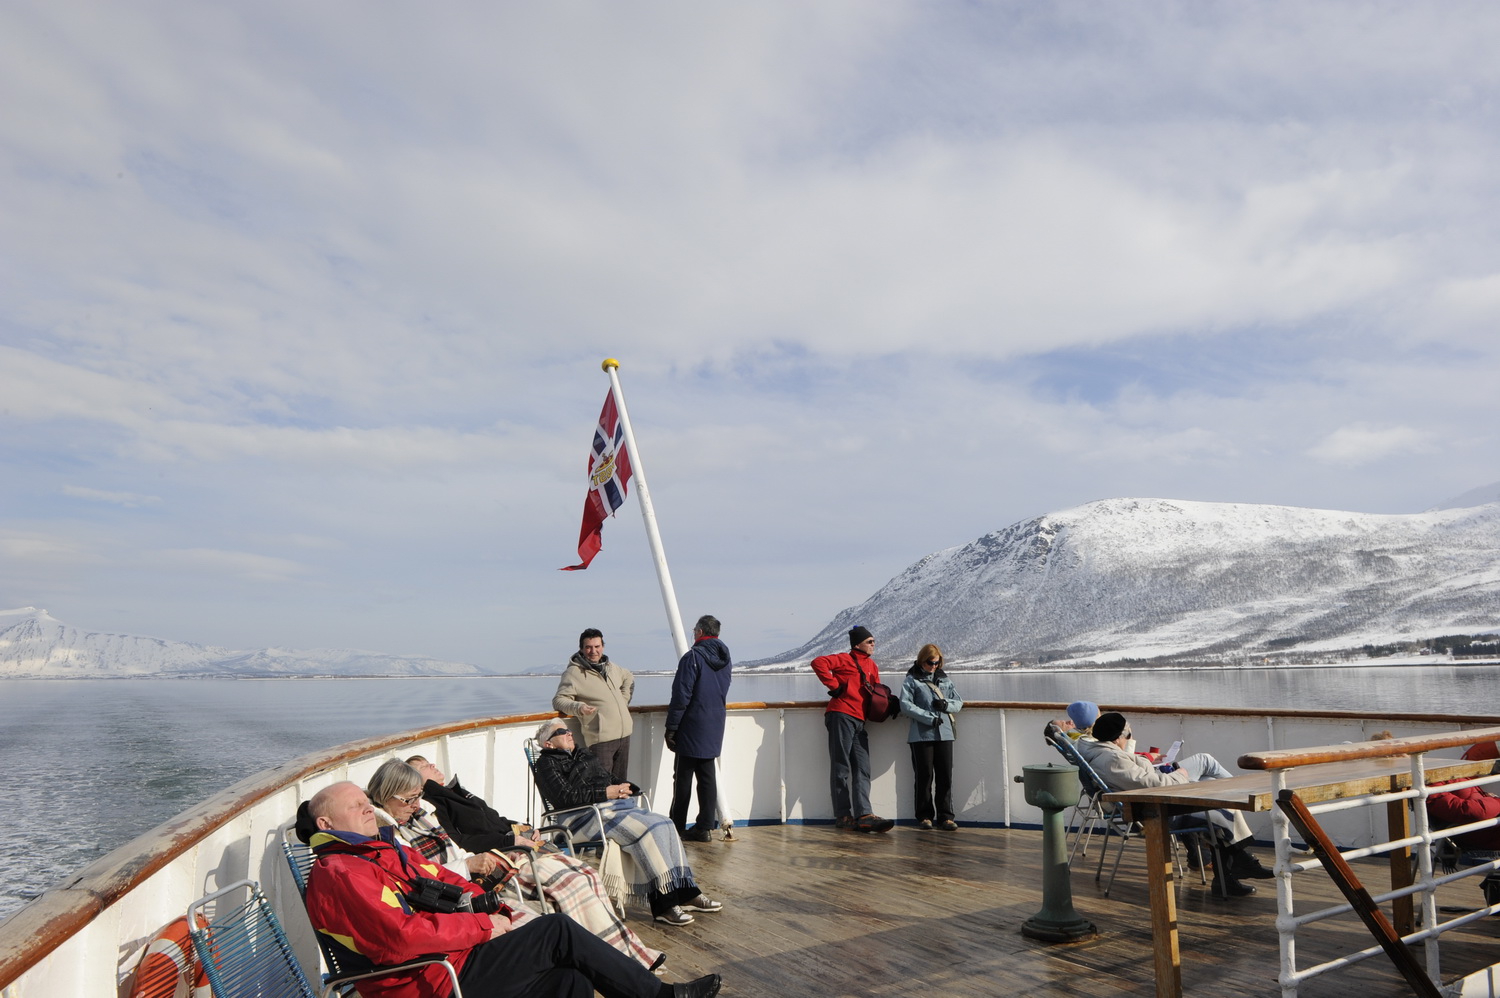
(359, 895)
(848, 744)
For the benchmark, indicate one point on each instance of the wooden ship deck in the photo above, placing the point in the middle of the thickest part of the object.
(814, 910)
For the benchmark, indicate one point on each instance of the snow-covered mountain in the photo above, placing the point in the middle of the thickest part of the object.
(36, 645)
(1151, 578)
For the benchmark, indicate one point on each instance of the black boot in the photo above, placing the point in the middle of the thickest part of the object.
(1242, 864)
(1225, 885)
(703, 987)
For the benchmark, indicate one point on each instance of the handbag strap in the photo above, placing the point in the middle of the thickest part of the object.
(937, 692)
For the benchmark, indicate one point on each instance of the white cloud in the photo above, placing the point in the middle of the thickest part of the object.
(1362, 444)
(331, 285)
(238, 565)
(130, 500)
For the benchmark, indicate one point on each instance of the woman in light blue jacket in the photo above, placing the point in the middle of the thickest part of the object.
(929, 699)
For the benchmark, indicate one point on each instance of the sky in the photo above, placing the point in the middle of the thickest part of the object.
(302, 306)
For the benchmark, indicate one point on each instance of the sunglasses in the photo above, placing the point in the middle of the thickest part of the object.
(558, 733)
(934, 661)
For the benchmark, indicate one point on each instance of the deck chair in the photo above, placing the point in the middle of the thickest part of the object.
(592, 840)
(1090, 812)
(340, 979)
(243, 949)
(1110, 817)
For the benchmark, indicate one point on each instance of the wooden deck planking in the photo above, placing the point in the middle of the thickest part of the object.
(813, 910)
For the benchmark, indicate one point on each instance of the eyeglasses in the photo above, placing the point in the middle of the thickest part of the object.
(559, 733)
(409, 801)
(934, 661)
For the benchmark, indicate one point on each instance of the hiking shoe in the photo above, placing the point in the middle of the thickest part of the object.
(703, 903)
(703, 987)
(1246, 867)
(698, 834)
(925, 825)
(675, 916)
(844, 822)
(873, 823)
(948, 825)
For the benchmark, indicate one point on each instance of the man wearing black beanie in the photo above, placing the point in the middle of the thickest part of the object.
(848, 744)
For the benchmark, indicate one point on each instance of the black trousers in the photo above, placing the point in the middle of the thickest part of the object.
(684, 769)
(933, 764)
(553, 957)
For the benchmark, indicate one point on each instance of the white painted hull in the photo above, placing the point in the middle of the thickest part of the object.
(78, 940)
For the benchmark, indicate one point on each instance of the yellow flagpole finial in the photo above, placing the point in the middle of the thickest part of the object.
(608, 363)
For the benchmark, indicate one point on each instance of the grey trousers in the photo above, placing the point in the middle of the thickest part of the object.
(848, 765)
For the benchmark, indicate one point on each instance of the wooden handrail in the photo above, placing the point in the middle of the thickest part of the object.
(1287, 758)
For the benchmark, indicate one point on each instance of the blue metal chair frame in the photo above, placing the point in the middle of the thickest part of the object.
(299, 859)
(1112, 817)
(243, 950)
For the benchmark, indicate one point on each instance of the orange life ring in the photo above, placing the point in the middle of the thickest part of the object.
(169, 963)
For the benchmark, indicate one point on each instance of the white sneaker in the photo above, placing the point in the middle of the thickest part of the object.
(703, 903)
(675, 916)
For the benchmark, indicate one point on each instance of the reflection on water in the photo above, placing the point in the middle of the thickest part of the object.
(90, 764)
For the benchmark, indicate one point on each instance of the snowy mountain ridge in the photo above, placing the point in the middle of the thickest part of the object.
(1157, 578)
(36, 645)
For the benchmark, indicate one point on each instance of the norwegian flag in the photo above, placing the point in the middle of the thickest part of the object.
(609, 481)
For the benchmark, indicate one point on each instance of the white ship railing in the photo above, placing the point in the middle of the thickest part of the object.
(80, 938)
(1418, 846)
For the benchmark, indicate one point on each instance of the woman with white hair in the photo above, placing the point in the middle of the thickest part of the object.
(571, 885)
(570, 777)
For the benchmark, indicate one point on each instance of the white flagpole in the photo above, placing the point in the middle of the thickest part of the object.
(663, 574)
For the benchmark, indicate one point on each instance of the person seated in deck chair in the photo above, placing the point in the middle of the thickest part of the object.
(1110, 749)
(1465, 806)
(360, 898)
(568, 776)
(573, 886)
(464, 815)
(1081, 717)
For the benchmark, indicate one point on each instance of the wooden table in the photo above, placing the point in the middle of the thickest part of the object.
(1155, 807)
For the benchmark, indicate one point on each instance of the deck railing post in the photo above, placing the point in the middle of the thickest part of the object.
(1004, 770)
(781, 764)
(1286, 924)
(1432, 945)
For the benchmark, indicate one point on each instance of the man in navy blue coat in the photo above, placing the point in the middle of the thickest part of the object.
(695, 727)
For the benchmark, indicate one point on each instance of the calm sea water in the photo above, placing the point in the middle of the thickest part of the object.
(89, 764)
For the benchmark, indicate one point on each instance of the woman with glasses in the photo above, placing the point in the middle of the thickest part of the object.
(569, 777)
(571, 885)
(930, 700)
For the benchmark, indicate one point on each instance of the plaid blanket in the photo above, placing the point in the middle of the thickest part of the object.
(655, 859)
(574, 887)
(571, 885)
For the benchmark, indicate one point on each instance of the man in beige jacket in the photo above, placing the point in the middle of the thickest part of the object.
(597, 692)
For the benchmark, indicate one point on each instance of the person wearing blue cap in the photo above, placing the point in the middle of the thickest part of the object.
(1083, 714)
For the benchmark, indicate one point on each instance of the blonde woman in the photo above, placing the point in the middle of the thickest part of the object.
(931, 701)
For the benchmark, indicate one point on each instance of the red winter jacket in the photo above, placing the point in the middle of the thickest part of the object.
(844, 675)
(355, 894)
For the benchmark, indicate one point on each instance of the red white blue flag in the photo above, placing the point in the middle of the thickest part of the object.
(609, 481)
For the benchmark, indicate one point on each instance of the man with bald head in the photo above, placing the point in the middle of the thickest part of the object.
(359, 898)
